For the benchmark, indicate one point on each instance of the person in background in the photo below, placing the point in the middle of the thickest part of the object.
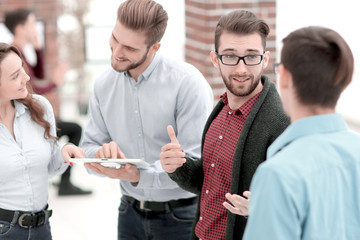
(129, 110)
(247, 119)
(29, 153)
(309, 186)
(22, 24)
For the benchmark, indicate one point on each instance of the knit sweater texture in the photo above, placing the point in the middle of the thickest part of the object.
(264, 124)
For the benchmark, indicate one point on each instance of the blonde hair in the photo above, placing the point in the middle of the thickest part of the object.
(144, 16)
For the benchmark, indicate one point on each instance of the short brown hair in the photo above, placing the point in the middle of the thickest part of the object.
(321, 64)
(16, 17)
(36, 109)
(144, 16)
(241, 22)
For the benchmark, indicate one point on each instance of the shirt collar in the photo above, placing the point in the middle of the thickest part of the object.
(245, 109)
(19, 108)
(306, 126)
(146, 74)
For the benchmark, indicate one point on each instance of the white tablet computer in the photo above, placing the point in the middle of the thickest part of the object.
(111, 162)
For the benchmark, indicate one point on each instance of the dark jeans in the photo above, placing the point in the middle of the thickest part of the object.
(12, 231)
(174, 224)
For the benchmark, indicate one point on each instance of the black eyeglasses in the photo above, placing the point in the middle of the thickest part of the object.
(233, 60)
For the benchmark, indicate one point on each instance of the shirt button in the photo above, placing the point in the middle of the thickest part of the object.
(201, 218)
(207, 191)
(220, 137)
(229, 113)
(139, 134)
(213, 165)
(136, 111)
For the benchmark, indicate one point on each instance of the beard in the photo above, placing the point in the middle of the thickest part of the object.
(132, 65)
(241, 91)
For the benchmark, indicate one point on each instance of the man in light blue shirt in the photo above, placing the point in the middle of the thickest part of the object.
(129, 111)
(309, 186)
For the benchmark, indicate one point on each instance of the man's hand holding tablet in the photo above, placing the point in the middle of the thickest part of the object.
(110, 152)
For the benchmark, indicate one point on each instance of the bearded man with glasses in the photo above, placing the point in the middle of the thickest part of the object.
(247, 119)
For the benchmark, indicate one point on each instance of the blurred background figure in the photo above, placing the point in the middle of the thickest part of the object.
(22, 24)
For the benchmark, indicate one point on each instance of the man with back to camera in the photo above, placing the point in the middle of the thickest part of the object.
(247, 119)
(130, 107)
(309, 186)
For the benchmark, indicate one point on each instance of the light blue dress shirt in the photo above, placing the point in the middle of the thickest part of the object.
(309, 188)
(27, 161)
(136, 114)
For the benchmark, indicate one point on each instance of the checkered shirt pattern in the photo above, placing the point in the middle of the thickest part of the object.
(219, 148)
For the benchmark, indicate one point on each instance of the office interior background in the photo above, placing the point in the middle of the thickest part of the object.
(78, 31)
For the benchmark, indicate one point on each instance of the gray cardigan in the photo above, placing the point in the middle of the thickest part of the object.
(264, 124)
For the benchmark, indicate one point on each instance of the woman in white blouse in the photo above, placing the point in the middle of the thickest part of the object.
(29, 153)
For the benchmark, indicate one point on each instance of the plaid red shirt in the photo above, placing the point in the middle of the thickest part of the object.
(219, 148)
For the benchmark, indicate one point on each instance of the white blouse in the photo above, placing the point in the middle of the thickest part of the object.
(28, 161)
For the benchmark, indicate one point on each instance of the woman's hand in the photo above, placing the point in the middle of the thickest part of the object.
(72, 151)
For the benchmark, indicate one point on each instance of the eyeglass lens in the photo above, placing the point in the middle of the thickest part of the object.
(248, 60)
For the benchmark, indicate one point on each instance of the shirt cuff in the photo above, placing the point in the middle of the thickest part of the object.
(61, 148)
(146, 179)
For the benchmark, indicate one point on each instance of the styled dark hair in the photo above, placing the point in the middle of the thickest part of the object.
(321, 64)
(241, 22)
(36, 109)
(15, 18)
(144, 16)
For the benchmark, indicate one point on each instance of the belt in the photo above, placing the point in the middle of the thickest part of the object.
(160, 206)
(26, 219)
